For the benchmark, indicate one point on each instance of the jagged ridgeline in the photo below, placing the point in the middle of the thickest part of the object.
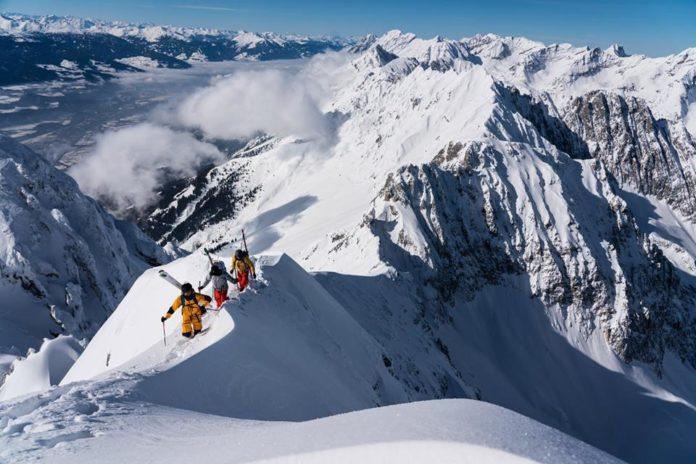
(518, 204)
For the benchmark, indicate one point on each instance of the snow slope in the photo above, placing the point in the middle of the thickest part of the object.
(284, 350)
(40, 370)
(445, 431)
(64, 261)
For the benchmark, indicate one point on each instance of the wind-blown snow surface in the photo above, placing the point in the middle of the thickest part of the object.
(445, 431)
(519, 216)
(286, 350)
(64, 265)
(43, 369)
(292, 354)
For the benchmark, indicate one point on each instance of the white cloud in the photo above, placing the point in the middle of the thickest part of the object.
(247, 103)
(128, 166)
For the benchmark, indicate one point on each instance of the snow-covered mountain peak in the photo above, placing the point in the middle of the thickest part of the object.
(374, 57)
(437, 53)
(15, 23)
(617, 50)
(251, 39)
(395, 40)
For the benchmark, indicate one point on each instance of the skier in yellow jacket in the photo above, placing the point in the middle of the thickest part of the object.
(192, 306)
(241, 265)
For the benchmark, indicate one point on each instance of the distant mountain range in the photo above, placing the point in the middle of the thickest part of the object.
(45, 48)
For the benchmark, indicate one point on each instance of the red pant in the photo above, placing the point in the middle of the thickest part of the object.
(242, 280)
(220, 297)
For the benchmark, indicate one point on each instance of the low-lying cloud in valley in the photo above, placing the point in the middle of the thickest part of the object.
(251, 102)
(129, 165)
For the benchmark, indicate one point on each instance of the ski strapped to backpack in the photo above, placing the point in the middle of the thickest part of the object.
(207, 253)
(166, 276)
(246, 250)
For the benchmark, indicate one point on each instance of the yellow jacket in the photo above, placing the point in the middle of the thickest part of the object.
(188, 307)
(243, 265)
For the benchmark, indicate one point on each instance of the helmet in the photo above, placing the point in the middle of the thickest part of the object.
(239, 254)
(216, 270)
(186, 288)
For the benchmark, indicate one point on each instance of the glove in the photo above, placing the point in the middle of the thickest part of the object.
(200, 288)
(203, 310)
(163, 319)
(253, 275)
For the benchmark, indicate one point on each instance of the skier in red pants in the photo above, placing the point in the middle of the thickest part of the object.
(242, 265)
(219, 276)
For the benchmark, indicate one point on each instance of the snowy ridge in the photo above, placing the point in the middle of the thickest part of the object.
(566, 72)
(308, 360)
(416, 432)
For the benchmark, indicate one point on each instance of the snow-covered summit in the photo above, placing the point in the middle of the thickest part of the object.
(617, 50)
(437, 53)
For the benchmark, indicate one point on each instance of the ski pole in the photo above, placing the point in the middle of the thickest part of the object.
(164, 334)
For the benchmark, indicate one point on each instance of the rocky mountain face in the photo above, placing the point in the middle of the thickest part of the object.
(65, 263)
(45, 48)
(488, 211)
(215, 195)
(652, 156)
(587, 257)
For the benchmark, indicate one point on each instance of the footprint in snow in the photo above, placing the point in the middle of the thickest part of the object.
(64, 438)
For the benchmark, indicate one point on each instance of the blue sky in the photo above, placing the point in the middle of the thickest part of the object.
(642, 26)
